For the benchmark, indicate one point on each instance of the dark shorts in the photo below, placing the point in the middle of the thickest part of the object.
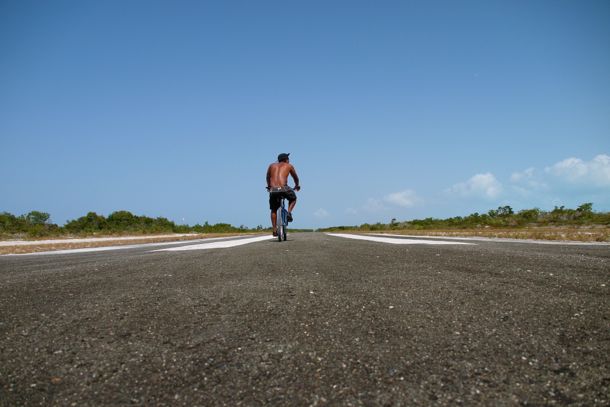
(275, 197)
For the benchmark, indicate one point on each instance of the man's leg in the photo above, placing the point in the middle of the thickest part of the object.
(273, 205)
(274, 222)
(292, 201)
(291, 205)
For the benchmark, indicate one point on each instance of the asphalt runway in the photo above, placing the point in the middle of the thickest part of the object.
(317, 320)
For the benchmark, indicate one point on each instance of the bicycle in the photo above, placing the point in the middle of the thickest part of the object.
(282, 221)
(282, 218)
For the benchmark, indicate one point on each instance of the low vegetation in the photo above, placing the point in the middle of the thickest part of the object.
(38, 225)
(560, 223)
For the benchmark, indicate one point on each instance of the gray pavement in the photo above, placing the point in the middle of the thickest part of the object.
(317, 320)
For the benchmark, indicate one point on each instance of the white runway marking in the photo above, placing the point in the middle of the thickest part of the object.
(393, 240)
(217, 245)
(499, 239)
(107, 248)
(86, 240)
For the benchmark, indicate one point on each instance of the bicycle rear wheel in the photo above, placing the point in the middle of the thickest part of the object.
(282, 222)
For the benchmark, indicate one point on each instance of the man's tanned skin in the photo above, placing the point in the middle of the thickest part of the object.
(277, 177)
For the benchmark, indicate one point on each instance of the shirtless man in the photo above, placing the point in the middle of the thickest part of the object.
(277, 185)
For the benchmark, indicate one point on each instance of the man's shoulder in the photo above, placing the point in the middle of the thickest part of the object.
(281, 165)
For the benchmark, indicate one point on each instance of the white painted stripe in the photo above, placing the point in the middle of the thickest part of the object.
(393, 240)
(87, 240)
(498, 239)
(217, 245)
(108, 248)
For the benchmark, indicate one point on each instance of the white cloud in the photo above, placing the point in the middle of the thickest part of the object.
(589, 173)
(373, 205)
(352, 211)
(528, 180)
(523, 175)
(481, 185)
(405, 199)
(321, 213)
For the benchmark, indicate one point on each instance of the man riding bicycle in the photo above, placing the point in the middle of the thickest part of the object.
(277, 185)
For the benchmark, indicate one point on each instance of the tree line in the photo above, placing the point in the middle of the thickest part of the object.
(502, 217)
(38, 224)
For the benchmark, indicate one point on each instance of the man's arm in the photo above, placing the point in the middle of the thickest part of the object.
(295, 177)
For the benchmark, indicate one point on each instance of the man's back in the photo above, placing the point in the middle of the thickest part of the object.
(277, 174)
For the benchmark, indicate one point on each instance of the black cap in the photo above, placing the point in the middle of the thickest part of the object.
(283, 156)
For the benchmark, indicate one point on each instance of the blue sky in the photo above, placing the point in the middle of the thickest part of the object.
(390, 109)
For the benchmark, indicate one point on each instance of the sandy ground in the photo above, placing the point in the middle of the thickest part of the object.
(539, 234)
